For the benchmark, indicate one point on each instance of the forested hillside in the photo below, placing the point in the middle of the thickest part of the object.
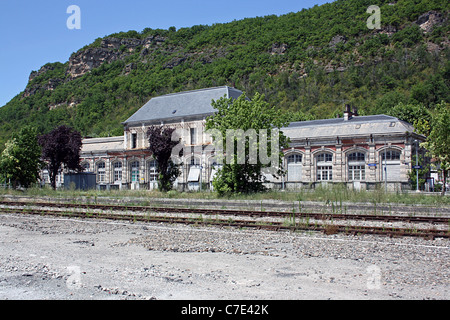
(310, 61)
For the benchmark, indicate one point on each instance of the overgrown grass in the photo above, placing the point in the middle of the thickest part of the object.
(334, 196)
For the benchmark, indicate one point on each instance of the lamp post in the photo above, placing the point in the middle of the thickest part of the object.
(417, 165)
(201, 167)
(385, 164)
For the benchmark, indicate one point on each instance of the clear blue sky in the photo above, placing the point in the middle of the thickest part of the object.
(33, 33)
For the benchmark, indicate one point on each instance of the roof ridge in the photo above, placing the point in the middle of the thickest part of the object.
(192, 91)
(184, 104)
(341, 121)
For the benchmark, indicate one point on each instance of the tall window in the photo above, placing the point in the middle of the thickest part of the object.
(152, 171)
(133, 140)
(324, 167)
(134, 171)
(45, 176)
(356, 166)
(390, 164)
(117, 171)
(294, 167)
(101, 172)
(193, 133)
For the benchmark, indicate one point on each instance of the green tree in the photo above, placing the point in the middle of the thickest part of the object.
(250, 124)
(20, 160)
(161, 145)
(61, 147)
(410, 113)
(438, 141)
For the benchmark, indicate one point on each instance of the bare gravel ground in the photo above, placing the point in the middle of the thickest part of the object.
(58, 258)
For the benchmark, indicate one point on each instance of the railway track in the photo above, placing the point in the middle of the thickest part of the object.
(292, 221)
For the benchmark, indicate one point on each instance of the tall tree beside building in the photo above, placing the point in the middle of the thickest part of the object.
(161, 145)
(20, 160)
(248, 120)
(61, 149)
(438, 140)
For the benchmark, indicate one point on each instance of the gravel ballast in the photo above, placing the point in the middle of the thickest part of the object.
(59, 258)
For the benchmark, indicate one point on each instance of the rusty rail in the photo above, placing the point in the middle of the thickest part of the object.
(249, 213)
(324, 227)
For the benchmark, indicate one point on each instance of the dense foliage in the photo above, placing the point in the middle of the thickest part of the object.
(161, 145)
(438, 140)
(20, 162)
(248, 142)
(61, 149)
(309, 62)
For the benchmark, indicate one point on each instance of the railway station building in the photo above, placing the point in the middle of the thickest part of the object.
(359, 151)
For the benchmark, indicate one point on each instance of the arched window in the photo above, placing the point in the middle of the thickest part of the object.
(390, 163)
(101, 172)
(390, 155)
(356, 156)
(86, 167)
(324, 167)
(117, 171)
(195, 162)
(356, 166)
(152, 170)
(45, 176)
(294, 159)
(294, 167)
(134, 171)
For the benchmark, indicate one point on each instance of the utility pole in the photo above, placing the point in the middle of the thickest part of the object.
(417, 166)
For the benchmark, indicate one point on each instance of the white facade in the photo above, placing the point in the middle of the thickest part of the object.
(359, 151)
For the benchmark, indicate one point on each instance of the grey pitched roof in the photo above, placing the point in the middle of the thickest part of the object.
(357, 125)
(182, 104)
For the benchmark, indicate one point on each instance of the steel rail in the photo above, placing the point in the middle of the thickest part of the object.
(250, 213)
(323, 227)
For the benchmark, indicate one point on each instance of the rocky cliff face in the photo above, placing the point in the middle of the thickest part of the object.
(51, 84)
(428, 21)
(110, 49)
(83, 61)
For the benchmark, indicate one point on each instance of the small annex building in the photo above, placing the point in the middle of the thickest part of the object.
(359, 151)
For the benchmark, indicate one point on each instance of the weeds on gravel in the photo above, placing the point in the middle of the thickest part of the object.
(331, 229)
(336, 196)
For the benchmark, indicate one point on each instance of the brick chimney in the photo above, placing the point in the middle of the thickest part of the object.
(348, 114)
